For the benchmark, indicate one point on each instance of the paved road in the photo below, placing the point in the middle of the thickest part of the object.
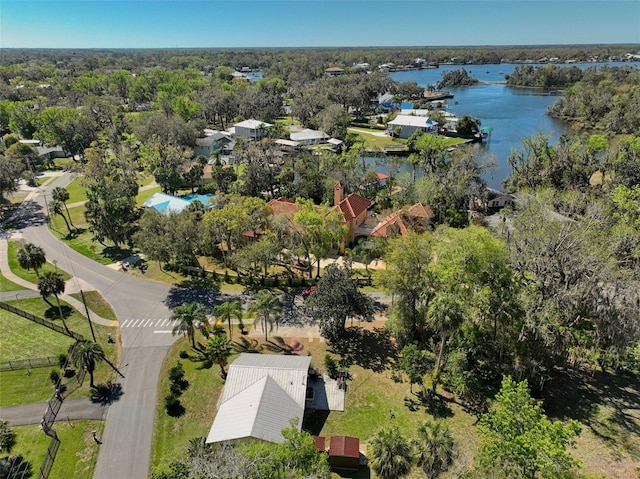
(126, 448)
(142, 308)
(72, 409)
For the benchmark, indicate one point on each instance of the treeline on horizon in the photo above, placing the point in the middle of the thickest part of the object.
(275, 60)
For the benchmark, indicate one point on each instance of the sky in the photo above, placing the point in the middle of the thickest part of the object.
(314, 23)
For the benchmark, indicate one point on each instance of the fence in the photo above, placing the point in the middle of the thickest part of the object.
(49, 418)
(29, 363)
(43, 322)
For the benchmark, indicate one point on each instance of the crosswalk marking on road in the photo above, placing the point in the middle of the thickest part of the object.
(146, 323)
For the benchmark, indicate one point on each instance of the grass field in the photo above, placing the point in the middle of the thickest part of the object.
(146, 194)
(76, 191)
(82, 241)
(97, 304)
(28, 275)
(6, 285)
(607, 406)
(77, 455)
(171, 434)
(22, 339)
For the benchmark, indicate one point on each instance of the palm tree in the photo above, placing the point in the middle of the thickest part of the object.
(445, 316)
(56, 208)
(86, 355)
(218, 351)
(390, 454)
(62, 195)
(435, 447)
(190, 316)
(228, 310)
(266, 308)
(52, 283)
(31, 256)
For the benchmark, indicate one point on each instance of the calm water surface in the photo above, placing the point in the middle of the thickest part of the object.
(513, 113)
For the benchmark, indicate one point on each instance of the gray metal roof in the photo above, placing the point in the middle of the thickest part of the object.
(261, 411)
(262, 393)
(308, 134)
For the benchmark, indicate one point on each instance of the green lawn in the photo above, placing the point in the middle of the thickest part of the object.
(22, 339)
(146, 194)
(97, 304)
(24, 386)
(77, 454)
(76, 191)
(6, 285)
(373, 140)
(28, 275)
(82, 239)
(171, 434)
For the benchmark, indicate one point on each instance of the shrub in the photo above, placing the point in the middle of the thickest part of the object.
(62, 359)
(54, 376)
(331, 366)
(176, 373)
(175, 389)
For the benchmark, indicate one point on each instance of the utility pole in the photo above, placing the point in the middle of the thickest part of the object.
(93, 335)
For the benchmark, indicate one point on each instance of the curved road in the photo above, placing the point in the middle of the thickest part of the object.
(126, 448)
(142, 308)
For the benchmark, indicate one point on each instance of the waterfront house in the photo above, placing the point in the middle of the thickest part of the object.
(409, 124)
(308, 137)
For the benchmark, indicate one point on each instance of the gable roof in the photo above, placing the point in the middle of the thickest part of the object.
(284, 206)
(262, 393)
(344, 446)
(252, 124)
(261, 411)
(212, 139)
(405, 219)
(353, 205)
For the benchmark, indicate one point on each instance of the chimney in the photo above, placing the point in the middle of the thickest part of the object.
(338, 193)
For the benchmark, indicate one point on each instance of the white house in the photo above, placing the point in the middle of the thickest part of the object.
(251, 129)
(409, 124)
(261, 395)
(309, 137)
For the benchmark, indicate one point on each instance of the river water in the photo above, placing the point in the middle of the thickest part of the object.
(513, 113)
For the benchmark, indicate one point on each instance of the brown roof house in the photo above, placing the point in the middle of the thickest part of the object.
(412, 218)
(354, 209)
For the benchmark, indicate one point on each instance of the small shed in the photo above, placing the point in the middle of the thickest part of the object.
(344, 452)
(320, 443)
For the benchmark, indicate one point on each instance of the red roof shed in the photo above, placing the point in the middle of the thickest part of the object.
(319, 440)
(344, 452)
